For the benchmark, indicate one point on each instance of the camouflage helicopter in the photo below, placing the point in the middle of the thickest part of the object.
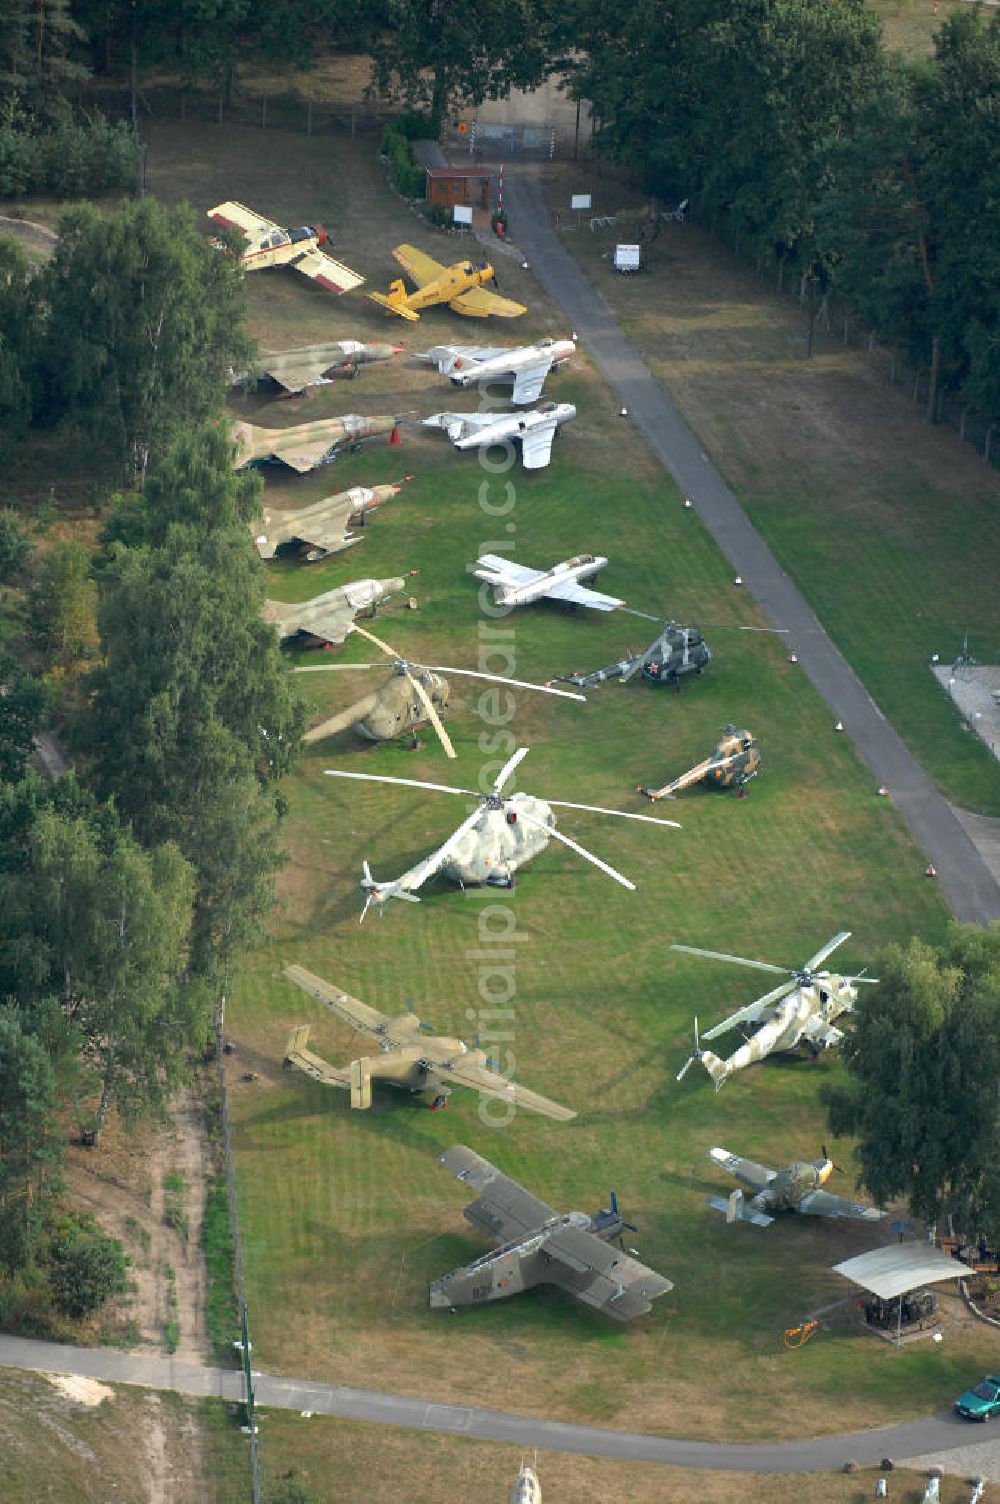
(677, 652)
(734, 760)
(503, 832)
(412, 696)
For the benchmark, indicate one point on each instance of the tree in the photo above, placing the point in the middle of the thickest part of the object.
(30, 1147)
(62, 604)
(15, 549)
(86, 1268)
(144, 320)
(923, 1062)
(22, 704)
(439, 54)
(19, 335)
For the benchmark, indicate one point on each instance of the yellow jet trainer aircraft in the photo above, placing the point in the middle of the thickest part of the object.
(460, 286)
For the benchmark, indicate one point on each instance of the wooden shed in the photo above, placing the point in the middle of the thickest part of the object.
(460, 185)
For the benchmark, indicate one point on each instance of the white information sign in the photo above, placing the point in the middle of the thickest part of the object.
(580, 201)
(627, 258)
(462, 214)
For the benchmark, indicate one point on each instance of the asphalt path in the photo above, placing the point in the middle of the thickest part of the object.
(971, 889)
(937, 1434)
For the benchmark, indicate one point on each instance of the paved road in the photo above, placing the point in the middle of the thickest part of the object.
(937, 1434)
(971, 889)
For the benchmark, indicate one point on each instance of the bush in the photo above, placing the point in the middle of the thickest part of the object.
(14, 546)
(86, 1268)
(439, 215)
(74, 158)
(19, 162)
(407, 178)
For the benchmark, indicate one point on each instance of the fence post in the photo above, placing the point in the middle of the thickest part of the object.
(988, 443)
(309, 117)
(263, 113)
(961, 423)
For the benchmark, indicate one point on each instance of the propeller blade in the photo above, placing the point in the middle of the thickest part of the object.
(468, 673)
(719, 955)
(348, 717)
(508, 768)
(623, 814)
(580, 850)
(826, 950)
(412, 783)
(432, 714)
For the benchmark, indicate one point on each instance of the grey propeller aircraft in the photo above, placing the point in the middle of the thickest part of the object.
(306, 446)
(330, 616)
(797, 1187)
(535, 430)
(540, 1246)
(527, 365)
(412, 1056)
(325, 526)
(503, 832)
(734, 760)
(411, 697)
(802, 1010)
(519, 585)
(316, 365)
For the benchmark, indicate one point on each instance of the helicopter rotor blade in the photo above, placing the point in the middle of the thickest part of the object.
(633, 667)
(376, 640)
(412, 783)
(752, 1010)
(332, 668)
(718, 955)
(432, 714)
(580, 850)
(348, 717)
(865, 981)
(623, 814)
(826, 950)
(468, 673)
(508, 768)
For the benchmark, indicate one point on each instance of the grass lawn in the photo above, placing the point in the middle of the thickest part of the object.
(890, 529)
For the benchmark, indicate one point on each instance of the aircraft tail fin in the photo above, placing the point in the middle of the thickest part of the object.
(298, 1039)
(396, 301)
(361, 1084)
(736, 1210)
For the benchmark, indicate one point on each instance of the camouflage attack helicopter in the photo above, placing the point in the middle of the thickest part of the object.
(411, 697)
(677, 652)
(503, 832)
(735, 759)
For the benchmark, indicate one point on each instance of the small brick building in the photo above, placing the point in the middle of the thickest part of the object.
(460, 185)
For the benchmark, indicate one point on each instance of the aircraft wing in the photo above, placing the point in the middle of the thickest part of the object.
(324, 271)
(536, 445)
(295, 369)
(359, 1015)
(823, 1204)
(480, 303)
(232, 215)
(334, 623)
(505, 1210)
(513, 574)
(331, 533)
(528, 384)
(572, 590)
(602, 1275)
(419, 267)
(491, 1084)
(746, 1171)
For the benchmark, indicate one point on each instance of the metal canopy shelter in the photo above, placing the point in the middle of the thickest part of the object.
(890, 1272)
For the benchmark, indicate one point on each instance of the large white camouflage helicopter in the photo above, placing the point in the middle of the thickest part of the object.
(503, 832)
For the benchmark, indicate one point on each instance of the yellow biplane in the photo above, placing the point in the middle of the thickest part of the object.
(460, 286)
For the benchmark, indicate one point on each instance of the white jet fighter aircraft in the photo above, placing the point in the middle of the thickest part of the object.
(517, 585)
(527, 365)
(536, 430)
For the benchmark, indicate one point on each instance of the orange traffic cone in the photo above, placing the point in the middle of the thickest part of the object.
(394, 436)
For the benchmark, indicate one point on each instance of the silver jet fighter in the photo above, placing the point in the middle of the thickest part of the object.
(502, 833)
(518, 585)
(331, 616)
(800, 1011)
(535, 430)
(316, 365)
(526, 1488)
(794, 1188)
(527, 365)
(325, 526)
(538, 1246)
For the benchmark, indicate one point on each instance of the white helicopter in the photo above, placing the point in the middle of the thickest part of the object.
(503, 832)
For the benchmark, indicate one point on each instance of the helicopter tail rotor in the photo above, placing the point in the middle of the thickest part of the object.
(376, 892)
(695, 1055)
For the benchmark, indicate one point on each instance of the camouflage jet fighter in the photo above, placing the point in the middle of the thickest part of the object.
(412, 1056)
(410, 698)
(306, 446)
(535, 430)
(325, 527)
(802, 1010)
(329, 617)
(316, 365)
(527, 365)
(734, 761)
(460, 286)
(503, 832)
(518, 585)
(538, 1246)
(268, 244)
(796, 1188)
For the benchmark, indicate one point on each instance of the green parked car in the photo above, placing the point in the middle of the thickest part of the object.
(982, 1401)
